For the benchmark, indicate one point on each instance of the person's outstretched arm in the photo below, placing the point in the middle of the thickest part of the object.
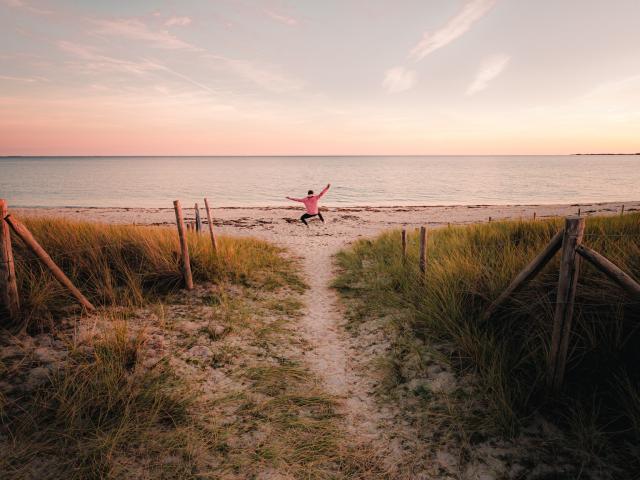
(324, 190)
(295, 199)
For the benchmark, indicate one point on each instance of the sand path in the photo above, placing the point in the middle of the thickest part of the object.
(333, 351)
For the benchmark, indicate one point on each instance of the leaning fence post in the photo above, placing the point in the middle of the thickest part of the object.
(198, 221)
(404, 244)
(25, 235)
(567, 283)
(423, 250)
(184, 248)
(8, 285)
(213, 236)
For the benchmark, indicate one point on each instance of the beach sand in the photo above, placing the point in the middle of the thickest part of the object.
(343, 361)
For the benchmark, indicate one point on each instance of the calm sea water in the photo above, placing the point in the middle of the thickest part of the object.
(263, 181)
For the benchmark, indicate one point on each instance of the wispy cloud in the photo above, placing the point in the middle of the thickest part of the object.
(399, 79)
(261, 75)
(94, 61)
(26, 6)
(11, 78)
(490, 69)
(282, 18)
(136, 30)
(178, 21)
(471, 12)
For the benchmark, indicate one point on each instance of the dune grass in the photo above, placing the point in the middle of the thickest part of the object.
(102, 415)
(468, 267)
(162, 383)
(127, 265)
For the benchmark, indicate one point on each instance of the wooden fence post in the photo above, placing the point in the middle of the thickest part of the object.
(25, 235)
(423, 250)
(186, 263)
(198, 221)
(578, 211)
(404, 244)
(567, 283)
(534, 216)
(8, 286)
(622, 210)
(610, 269)
(527, 273)
(213, 236)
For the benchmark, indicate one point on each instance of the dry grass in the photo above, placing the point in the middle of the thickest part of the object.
(468, 267)
(102, 415)
(128, 265)
(205, 384)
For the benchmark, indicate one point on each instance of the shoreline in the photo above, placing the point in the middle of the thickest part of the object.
(334, 207)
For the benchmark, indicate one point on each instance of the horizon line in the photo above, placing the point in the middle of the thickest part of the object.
(330, 155)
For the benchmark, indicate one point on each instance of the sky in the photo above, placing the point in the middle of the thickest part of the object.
(309, 77)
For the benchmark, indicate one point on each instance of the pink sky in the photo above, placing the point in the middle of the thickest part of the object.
(278, 77)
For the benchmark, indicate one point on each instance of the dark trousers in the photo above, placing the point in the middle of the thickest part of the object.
(308, 215)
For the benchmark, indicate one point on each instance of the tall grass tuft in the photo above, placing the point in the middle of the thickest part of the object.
(467, 268)
(127, 265)
(98, 412)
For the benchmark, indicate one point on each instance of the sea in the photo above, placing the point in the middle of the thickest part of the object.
(355, 180)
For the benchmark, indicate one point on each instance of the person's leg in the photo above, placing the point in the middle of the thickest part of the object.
(304, 217)
(320, 217)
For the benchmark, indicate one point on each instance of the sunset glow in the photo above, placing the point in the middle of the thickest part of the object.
(300, 77)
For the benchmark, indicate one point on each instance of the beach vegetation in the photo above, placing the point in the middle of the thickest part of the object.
(440, 315)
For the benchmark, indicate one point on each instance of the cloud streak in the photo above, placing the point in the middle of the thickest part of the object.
(136, 30)
(96, 62)
(24, 5)
(398, 79)
(471, 12)
(282, 18)
(490, 69)
(263, 76)
(178, 21)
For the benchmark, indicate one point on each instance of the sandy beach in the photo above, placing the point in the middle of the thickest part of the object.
(343, 224)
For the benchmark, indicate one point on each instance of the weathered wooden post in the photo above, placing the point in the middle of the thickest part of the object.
(527, 273)
(622, 211)
(578, 211)
(489, 219)
(610, 269)
(423, 250)
(567, 283)
(186, 263)
(404, 244)
(9, 299)
(198, 221)
(25, 235)
(534, 216)
(213, 236)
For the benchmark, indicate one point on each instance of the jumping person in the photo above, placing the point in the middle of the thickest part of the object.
(311, 204)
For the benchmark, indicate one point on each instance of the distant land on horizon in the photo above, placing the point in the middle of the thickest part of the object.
(638, 153)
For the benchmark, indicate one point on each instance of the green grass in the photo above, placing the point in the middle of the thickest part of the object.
(468, 267)
(129, 265)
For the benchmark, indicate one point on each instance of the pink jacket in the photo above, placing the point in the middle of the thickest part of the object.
(311, 201)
